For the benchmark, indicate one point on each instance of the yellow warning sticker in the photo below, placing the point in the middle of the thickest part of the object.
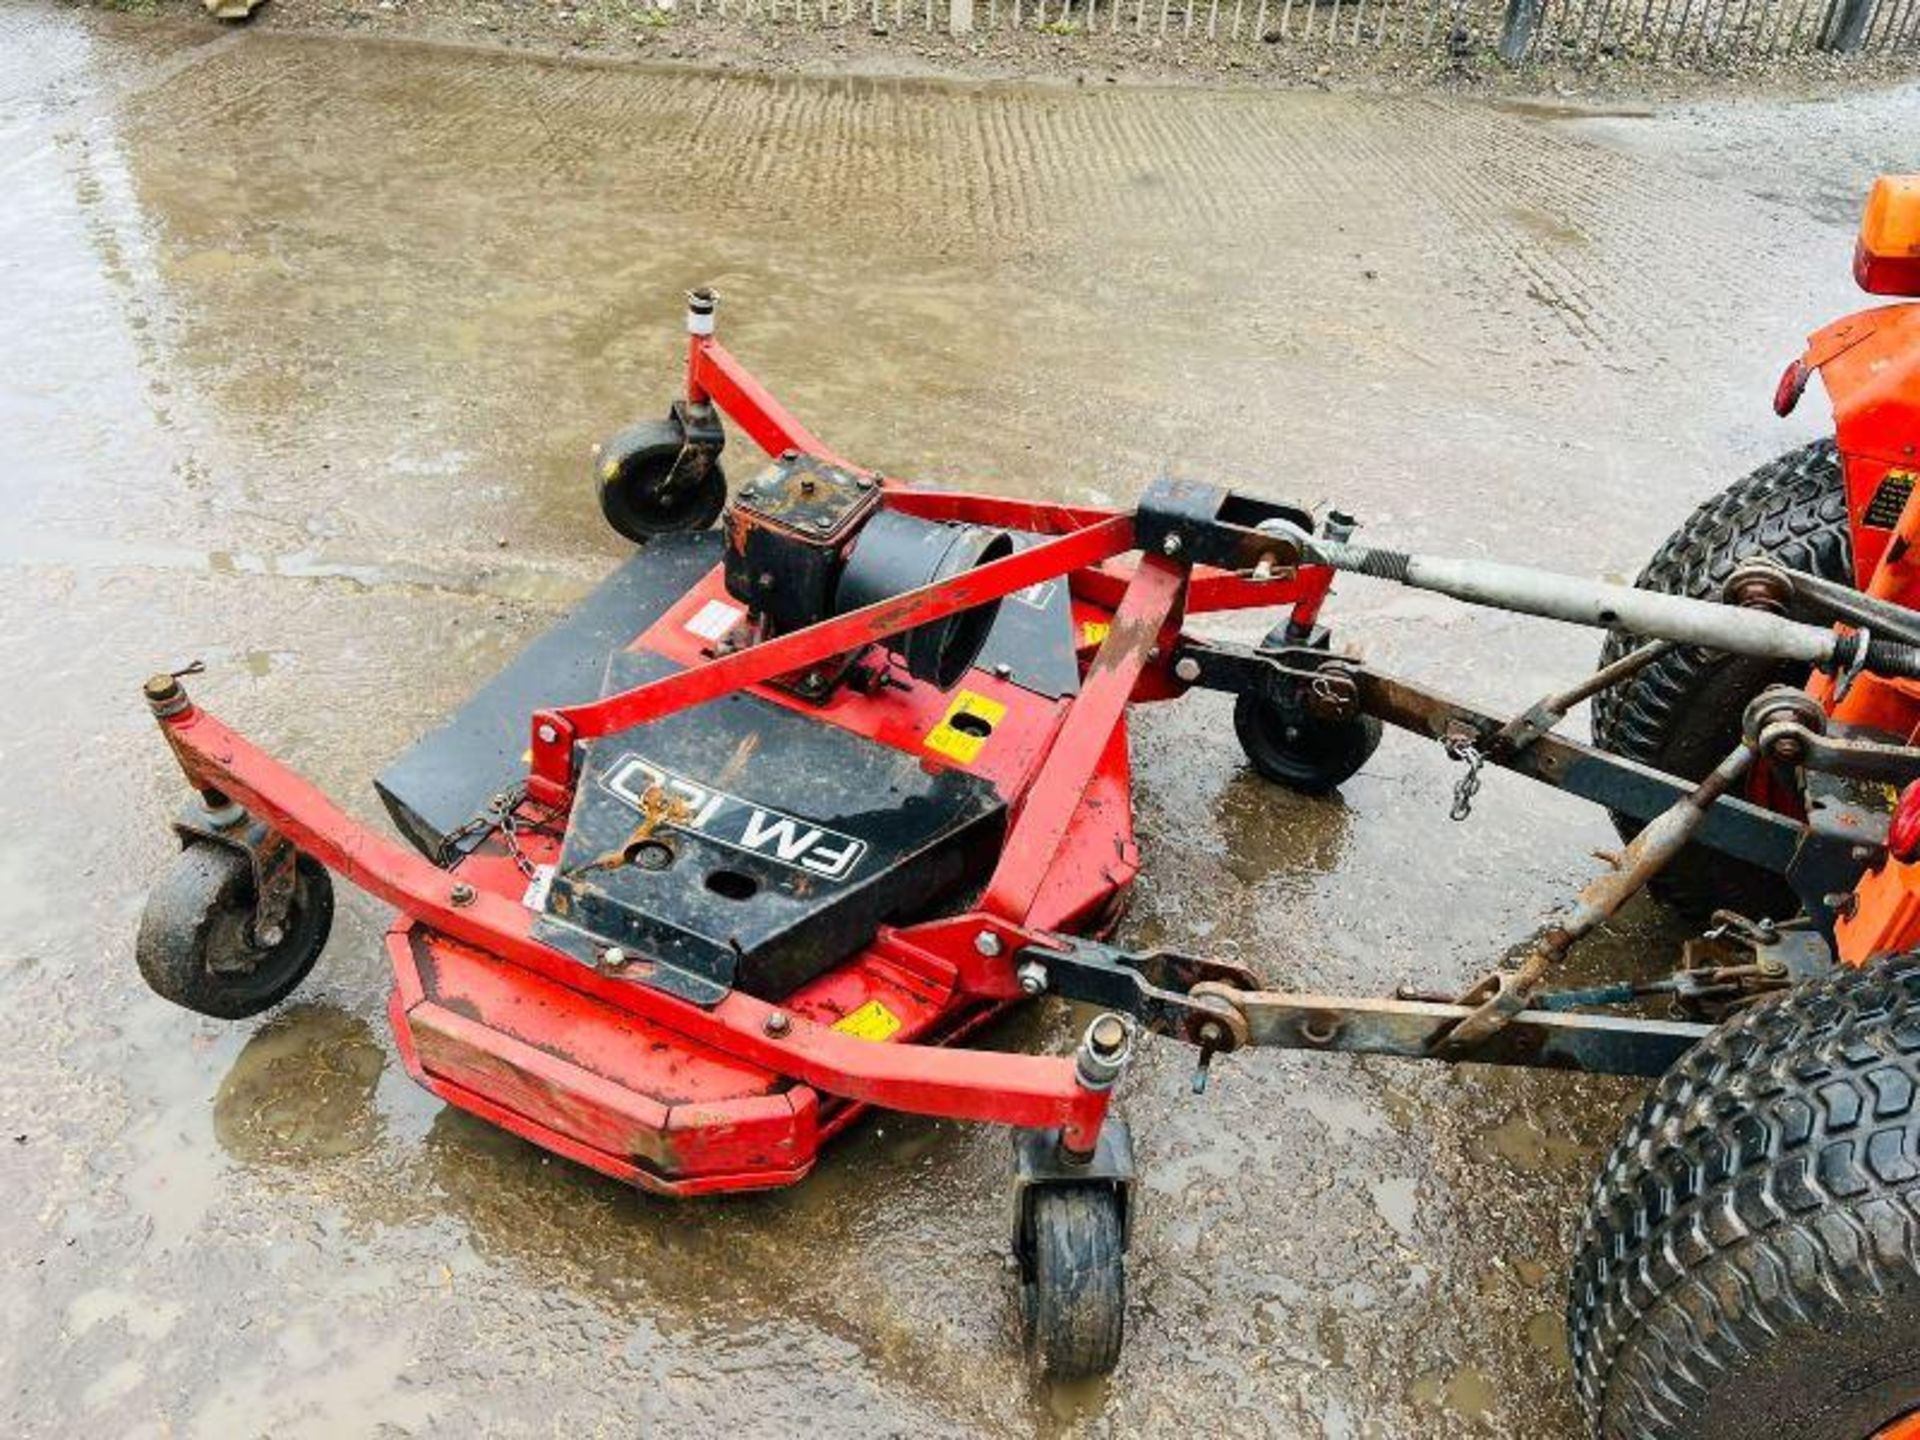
(966, 726)
(1093, 632)
(872, 1021)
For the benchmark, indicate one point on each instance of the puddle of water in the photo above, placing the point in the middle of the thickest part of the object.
(301, 1090)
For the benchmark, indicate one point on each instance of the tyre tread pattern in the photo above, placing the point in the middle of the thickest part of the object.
(1792, 510)
(1080, 1308)
(1769, 1186)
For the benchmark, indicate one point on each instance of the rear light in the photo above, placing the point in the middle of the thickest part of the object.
(1793, 384)
(1903, 833)
(1886, 259)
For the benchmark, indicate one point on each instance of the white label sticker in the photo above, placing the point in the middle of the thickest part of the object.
(714, 619)
(536, 897)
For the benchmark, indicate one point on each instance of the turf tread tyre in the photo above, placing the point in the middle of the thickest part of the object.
(1076, 1300)
(1682, 712)
(1750, 1258)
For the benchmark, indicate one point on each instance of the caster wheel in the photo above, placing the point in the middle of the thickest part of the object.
(1076, 1294)
(652, 482)
(1292, 746)
(196, 946)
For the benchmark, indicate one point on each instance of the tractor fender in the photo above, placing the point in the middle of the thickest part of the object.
(1870, 365)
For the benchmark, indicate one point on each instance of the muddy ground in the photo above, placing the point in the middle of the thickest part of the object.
(305, 344)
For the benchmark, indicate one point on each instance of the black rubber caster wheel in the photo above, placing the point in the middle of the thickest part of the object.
(1291, 745)
(1076, 1294)
(196, 945)
(652, 482)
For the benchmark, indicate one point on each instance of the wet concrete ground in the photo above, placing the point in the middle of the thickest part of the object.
(304, 346)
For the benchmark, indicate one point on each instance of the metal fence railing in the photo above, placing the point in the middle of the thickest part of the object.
(1699, 31)
(1706, 30)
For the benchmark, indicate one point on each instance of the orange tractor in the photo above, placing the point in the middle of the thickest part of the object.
(1750, 1259)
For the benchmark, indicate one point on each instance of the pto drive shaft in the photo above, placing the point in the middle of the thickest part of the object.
(1685, 621)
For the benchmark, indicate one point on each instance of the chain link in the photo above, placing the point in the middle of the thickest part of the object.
(502, 813)
(1462, 748)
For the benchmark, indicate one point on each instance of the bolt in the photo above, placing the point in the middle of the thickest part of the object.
(778, 1023)
(789, 455)
(1107, 1036)
(1187, 668)
(463, 893)
(823, 523)
(271, 936)
(1170, 545)
(547, 734)
(1102, 1055)
(165, 696)
(987, 943)
(1003, 670)
(652, 855)
(1773, 967)
(1033, 978)
(1863, 853)
(613, 957)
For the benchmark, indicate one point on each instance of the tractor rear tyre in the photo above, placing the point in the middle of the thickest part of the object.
(196, 945)
(1750, 1259)
(1682, 713)
(1076, 1294)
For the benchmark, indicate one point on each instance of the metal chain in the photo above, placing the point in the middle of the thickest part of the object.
(502, 813)
(1462, 748)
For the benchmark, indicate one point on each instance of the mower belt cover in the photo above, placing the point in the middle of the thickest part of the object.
(744, 843)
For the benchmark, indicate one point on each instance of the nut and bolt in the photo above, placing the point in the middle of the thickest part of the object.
(1103, 1052)
(613, 957)
(1033, 978)
(271, 936)
(463, 893)
(1107, 1036)
(778, 1023)
(166, 696)
(1171, 545)
(547, 734)
(988, 944)
(1002, 670)
(1186, 668)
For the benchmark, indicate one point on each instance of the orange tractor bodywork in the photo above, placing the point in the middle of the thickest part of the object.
(1870, 365)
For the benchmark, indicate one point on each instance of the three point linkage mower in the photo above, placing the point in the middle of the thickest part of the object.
(787, 810)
